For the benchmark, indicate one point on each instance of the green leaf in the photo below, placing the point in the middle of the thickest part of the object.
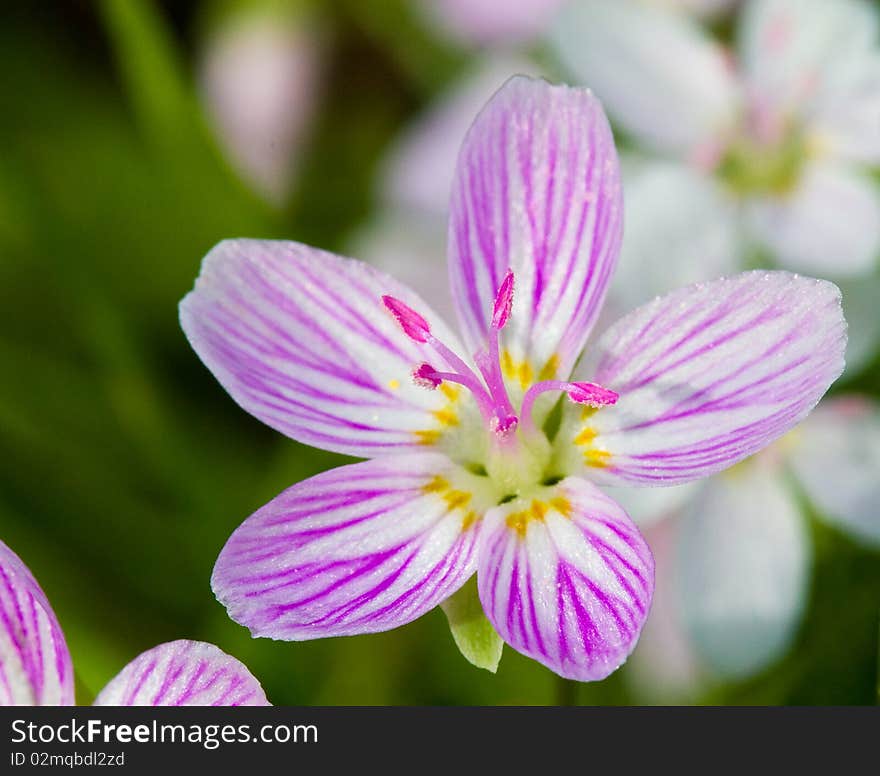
(473, 633)
(151, 68)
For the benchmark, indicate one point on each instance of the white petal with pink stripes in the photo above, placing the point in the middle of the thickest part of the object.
(183, 673)
(35, 667)
(567, 579)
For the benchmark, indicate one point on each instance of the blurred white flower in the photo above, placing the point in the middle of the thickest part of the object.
(259, 73)
(785, 129)
(479, 22)
(733, 563)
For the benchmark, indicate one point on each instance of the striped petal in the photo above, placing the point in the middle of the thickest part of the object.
(536, 190)
(35, 667)
(183, 673)
(836, 458)
(707, 376)
(300, 339)
(359, 549)
(661, 77)
(566, 579)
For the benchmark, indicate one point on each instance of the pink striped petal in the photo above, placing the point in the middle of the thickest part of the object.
(183, 673)
(709, 375)
(300, 339)
(359, 549)
(567, 579)
(536, 190)
(35, 667)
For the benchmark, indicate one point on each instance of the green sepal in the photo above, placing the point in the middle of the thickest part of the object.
(474, 635)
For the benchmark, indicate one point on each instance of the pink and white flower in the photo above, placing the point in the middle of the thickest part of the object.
(259, 72)
(786, 128)
(466, 476)
(734, 557)
(36, 669)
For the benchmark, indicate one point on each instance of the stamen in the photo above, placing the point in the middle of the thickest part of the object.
(503, 302)
(417, 328)
(590, 394)
(414, 326)
(425, 376)
(504, 425)
(491, 398)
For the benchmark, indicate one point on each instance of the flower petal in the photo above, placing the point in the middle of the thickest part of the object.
(829, 225)
(359, 549)
(836, 457)
(537, 191)
(681, 228)
(845, 121)
(647, 506)
(744, 558)
(707, 376)
(657, 72)
(300, 339)
(35, 667)
(183, 673)
(792, 50)
(566, 580)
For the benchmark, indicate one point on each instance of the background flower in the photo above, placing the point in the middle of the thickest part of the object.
(735, 555)
(260, 77)
(782, 125)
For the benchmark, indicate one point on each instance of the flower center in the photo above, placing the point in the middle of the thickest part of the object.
(766, 156)
(518, 450)
(749, 167)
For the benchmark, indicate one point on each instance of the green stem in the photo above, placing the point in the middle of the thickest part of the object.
(566, 692)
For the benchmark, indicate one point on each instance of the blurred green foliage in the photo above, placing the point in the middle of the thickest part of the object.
(125, 466)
